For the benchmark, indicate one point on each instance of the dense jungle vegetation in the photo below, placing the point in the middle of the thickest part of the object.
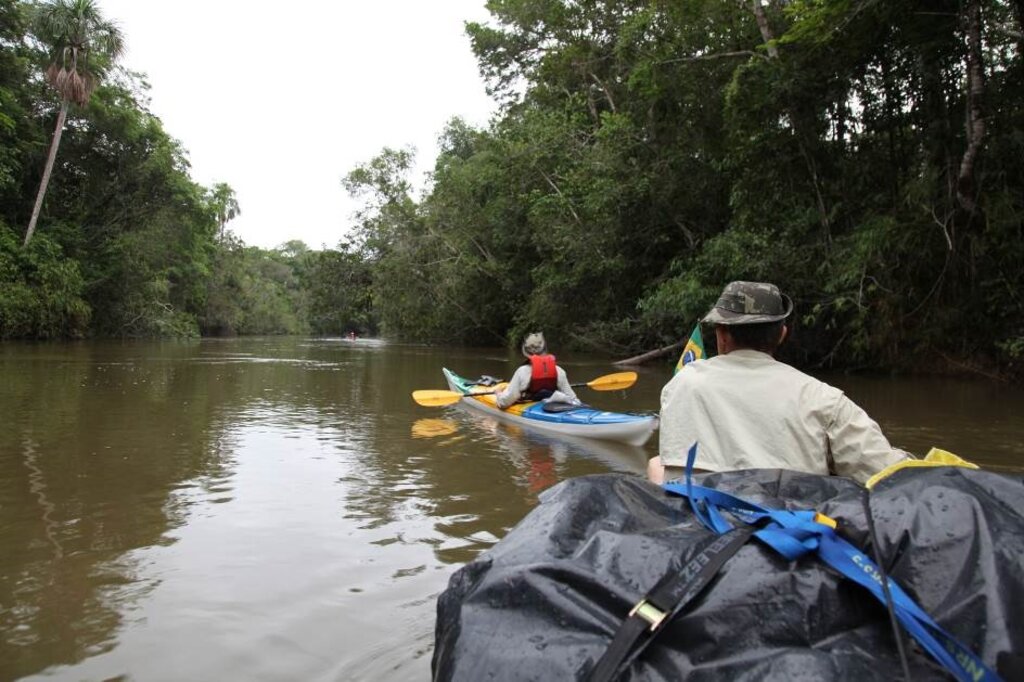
(127, 244)
(867, 156)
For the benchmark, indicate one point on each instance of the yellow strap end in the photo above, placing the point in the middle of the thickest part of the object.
(825, 520)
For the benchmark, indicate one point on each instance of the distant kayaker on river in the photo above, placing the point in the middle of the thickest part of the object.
(746, 410)
(538, 378)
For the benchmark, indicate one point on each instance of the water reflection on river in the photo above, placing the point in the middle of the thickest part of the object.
(280, 509)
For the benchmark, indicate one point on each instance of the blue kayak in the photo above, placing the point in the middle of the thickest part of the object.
(586, 422)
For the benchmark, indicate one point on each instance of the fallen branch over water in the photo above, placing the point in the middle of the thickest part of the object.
(651, 355)
(972, 368)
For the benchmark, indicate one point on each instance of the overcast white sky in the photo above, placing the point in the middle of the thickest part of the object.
(281, 100)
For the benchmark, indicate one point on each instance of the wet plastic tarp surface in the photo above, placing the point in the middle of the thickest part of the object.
(545, 602)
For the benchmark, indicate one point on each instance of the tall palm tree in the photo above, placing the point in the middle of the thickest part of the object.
(224, 202)
(82, 44)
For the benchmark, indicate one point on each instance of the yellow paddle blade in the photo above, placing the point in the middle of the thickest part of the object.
(436, 398)
(613, 382)
(432, 428)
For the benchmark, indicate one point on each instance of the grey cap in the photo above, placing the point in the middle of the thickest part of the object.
(534, 344)
(749, 303)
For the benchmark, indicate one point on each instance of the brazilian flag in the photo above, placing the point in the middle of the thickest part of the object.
(694, 349)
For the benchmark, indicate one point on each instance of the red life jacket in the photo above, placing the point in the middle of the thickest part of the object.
(543, 373)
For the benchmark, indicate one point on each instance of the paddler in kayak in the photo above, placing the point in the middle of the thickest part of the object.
(539, 378)
(746, 410)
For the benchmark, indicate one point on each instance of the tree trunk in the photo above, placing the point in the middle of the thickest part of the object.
(766, 31)
(975, 127)
(651, 355)
(51, 157)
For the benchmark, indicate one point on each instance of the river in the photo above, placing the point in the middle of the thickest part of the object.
(280, 509)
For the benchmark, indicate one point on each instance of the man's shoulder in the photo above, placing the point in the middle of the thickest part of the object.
(811, 388)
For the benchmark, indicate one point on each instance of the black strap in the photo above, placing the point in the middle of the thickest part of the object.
(564, 407)
(1010, 665)
(670, 596)
(893, 621)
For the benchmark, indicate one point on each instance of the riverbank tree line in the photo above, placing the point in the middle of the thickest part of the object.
(866, 156)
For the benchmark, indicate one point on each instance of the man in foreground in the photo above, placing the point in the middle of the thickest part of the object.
(746, 410)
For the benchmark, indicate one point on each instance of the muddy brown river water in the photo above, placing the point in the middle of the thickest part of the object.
(280, 509)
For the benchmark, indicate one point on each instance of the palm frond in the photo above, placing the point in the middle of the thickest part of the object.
(83, 44)
(109, 40)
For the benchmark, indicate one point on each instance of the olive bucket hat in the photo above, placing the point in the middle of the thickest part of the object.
(749, 303)
(534, 344)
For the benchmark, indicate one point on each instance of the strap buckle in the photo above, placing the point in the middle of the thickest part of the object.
(649, 612)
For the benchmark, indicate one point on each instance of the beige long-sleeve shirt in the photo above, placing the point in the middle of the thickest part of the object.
(747, 410)
(520, 382)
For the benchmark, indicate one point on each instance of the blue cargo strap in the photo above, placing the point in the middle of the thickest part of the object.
(796, 533)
